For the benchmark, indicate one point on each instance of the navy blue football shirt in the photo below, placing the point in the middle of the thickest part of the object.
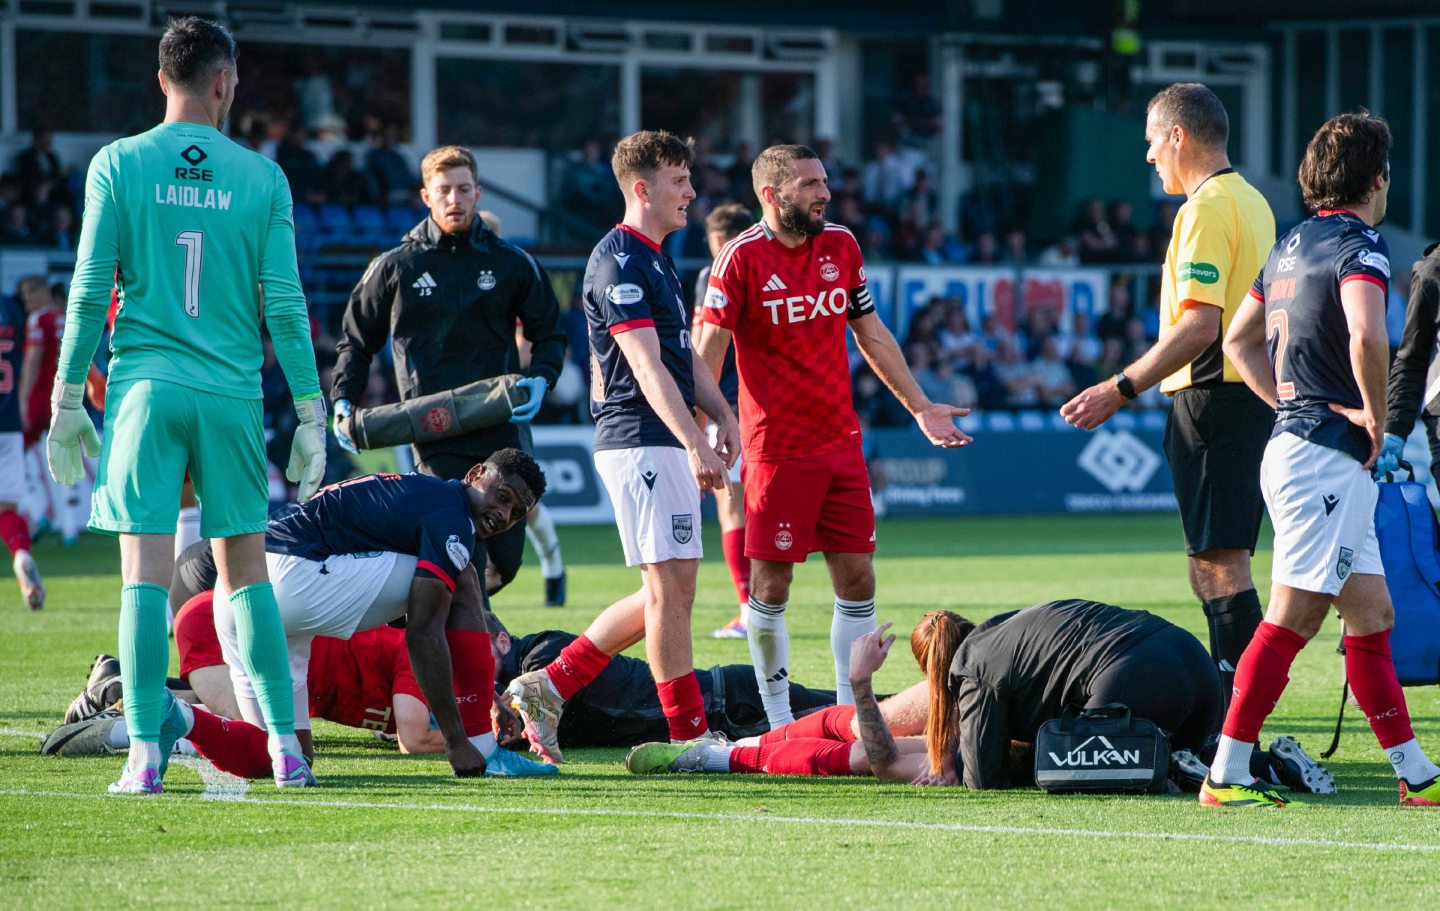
(12, 354)
(631, 284)
(1306, 329)
(409, 514)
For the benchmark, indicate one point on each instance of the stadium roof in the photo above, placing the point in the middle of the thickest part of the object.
(931, 16)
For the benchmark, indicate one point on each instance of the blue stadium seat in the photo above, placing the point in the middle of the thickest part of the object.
(369, 221)
(335, 220)
(400, 219)
(306, 219)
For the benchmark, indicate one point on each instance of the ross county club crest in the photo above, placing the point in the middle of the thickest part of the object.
(784, 540)
(459, 553)
(486, 281)
(1342, 566)
(683, 527)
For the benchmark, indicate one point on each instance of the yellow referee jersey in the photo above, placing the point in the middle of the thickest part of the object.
(1222, 237)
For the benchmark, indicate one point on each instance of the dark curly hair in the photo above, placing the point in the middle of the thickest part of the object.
(193, 48)
(1343, 159)
(516, 462)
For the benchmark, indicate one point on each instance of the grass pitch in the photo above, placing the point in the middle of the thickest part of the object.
(387, 831)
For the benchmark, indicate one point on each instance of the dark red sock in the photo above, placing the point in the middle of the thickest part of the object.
(13, 531)
(472, 667)
(236, 747)
(797, 756)
(578, 663)
(732, 542)
(1371, 672)
(684, 708)
(827, 724)
(1260, 678)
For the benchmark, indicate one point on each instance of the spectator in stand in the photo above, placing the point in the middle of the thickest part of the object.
(741, 186)
(1112, 357)
(990, 391)
(1098, 242)
(920, 204)
(301, 167)
(922, 329)
(917, 112)
(939, 247)
(957, 340)
(1017, 248)
(1052, 375)
(394, 179)
(1161, 227)
(41, 174)
(1084, 352)
(986, 251)
(1040, 326)
(924, 365)
(1137, 340)
(314, 95)
(836, 170)
(874, 405)
(1022, 386)
(60, 230)
(1112, 324)
(884, 179)
(345, 184)
(1127, 236)
(1063, 254)
(15, 228)
(590, 191)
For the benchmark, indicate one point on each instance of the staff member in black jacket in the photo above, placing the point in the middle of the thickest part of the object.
(1412, 363)
(448, 298)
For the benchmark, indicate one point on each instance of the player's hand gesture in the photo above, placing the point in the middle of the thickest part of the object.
(465, 759)
(938, 423)
(727, 442)
(706, 464)
(1094, 406)
(70, 428)
(509, 728)
(868, 653)
(1366, 422)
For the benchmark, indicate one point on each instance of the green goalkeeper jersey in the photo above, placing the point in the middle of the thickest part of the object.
(189, 228)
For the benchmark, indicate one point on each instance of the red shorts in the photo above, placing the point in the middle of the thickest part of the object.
(795, 507)
(195, 636)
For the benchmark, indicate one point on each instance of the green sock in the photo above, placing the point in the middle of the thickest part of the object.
(144, 658)
(267, 661)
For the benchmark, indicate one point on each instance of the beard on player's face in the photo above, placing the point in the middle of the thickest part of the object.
(801, 219)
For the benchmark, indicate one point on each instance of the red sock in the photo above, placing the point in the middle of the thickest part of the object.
(13, 531)
(732, 542)
(684, 708)
(1371, 672)
(236, 747)
(827, 724)
(578, 663)
(798, 756)
(472, 667)
(1260, 678)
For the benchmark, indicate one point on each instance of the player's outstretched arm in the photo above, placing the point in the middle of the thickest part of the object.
(867, 655)
(641, 348)
(936, 419)
(1245, 346)
(427, 612)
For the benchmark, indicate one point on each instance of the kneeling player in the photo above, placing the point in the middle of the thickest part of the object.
(369, 550)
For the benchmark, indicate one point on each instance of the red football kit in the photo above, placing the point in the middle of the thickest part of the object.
(43, 330)
(806, 487)
(352, 681)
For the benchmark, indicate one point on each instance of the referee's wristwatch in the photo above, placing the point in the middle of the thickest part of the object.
(1124, 385)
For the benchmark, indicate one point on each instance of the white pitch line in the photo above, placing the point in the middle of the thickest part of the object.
(11, 732)
(806, 820)
(218, 785)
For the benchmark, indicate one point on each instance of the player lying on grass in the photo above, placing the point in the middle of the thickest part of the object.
(987, 691)
(369, 550)
(366, 682)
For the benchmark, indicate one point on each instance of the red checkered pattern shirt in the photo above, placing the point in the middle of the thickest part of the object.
(788, 309)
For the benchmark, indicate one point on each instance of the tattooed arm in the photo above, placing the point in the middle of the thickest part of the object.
(867, 654)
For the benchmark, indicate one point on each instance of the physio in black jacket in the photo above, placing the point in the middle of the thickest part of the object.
(448, 299)
(991, 686)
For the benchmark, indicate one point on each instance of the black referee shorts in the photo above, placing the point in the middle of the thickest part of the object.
(1215, 439)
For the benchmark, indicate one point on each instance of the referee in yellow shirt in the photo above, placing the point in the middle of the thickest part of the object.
(1218, 428)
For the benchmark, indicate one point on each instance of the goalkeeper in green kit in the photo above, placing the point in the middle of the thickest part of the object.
(195, 232)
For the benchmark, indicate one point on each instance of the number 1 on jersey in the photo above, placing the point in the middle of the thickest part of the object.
(194, 244)
(1277, 326)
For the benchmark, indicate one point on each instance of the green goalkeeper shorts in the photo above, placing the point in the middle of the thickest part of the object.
(157, 431)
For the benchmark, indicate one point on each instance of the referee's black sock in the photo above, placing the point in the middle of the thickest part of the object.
(1233, 621)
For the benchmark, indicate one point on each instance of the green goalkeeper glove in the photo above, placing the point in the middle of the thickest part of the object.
(69, 428)
(307, 452)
